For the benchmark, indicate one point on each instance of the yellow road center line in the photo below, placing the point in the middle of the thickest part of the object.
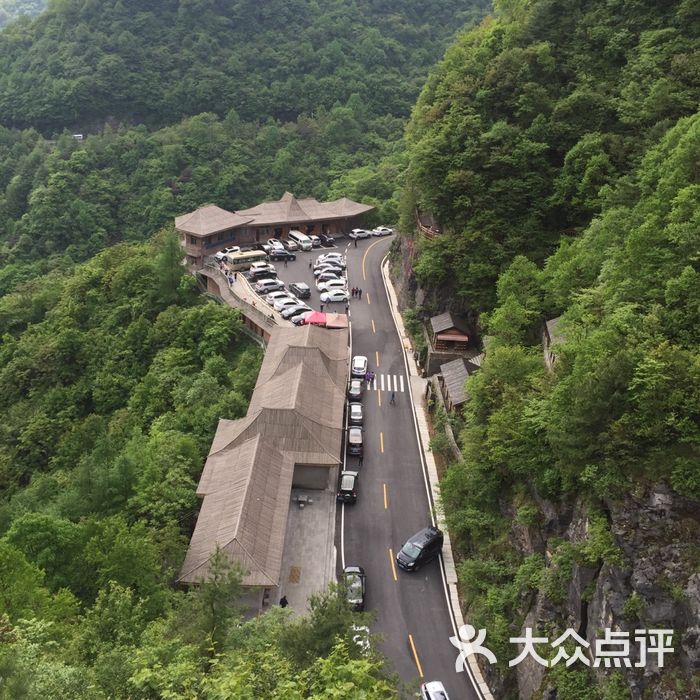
(386, 499)
(393, 566)
(374, 330)
(376, 352)
(381, 442)
(367, 295)
(379, 398)
(415, 655)
(364, 257)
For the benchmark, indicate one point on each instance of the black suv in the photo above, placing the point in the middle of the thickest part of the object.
(326, 239)
(281, 254)
(300, 290)
(423, 547)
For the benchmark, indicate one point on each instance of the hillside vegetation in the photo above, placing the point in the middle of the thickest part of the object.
(12, 9)
(557, 145)
(157, 62)
(285, 96)
(113, 380)
(528, 118)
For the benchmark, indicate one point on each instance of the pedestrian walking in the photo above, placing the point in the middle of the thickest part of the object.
(284, 602)
(356, 243)
(393, 397)
(321, 308)
(360, 462)
(235, 276)
(347, 307)
(310, 263)
(359, 292)
(367, 374)
(285, 262)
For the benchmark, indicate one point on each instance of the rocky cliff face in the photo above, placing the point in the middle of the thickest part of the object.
(656, 586)
(653, 584)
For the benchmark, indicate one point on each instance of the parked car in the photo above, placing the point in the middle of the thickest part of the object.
(355, 389)
(262, 267)
(355, 442)
(330, 258)
(290, 245)
(281, 254)
(265, 286)
(334, 295)
(359, 366)
(285, 303)
(325, 276)
(221, 255)
(266, 247)
(423, 547)
(337, 271)
(382, 231)
(300, 319)
(347, 487)
(326, 239)
(337, 283)
(433, 690)
(300, 290)
(275, 243)
(358, 233)
(290, 311)
(355, 583)
(272, 297)
(355, 413)
(315, 241)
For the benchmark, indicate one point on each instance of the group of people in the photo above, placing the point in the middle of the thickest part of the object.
(369, 377)
(356, 292)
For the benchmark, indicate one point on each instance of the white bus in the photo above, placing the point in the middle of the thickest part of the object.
(244, 259)
(301, 239)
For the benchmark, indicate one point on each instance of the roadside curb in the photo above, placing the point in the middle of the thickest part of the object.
(417, 386)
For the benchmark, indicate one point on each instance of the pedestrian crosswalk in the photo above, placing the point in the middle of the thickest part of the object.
(387, 382)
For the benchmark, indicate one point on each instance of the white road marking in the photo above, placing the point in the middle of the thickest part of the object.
(401, 381)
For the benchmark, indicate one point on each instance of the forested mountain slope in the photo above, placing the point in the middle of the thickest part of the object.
(12, 9)
(578, 503)
(558, 147)
(83, 62)
(112, 381)
(530, 115)
(299, 97)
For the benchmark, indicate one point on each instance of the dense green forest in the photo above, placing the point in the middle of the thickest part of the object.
(81, 63)
(62, 201)
(530, 116)
(12, 9)
(557, 146)
(113, 379)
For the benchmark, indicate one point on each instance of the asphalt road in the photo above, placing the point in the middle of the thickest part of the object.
(411, 610)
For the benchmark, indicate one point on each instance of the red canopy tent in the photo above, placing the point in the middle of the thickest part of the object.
(315, 319)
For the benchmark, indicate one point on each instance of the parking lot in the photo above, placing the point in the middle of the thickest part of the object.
(301, 270)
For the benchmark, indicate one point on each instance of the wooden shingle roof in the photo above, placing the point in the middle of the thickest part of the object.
(209, 219)
(454, 374)
(295, 416)
(445, 321)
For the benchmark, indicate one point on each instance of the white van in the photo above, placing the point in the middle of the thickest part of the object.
(301, 239)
